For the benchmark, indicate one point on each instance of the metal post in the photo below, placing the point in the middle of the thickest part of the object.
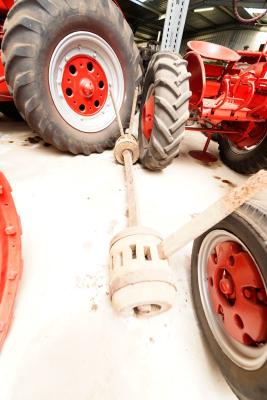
(174, 25)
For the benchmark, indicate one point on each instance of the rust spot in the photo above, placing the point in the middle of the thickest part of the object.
(229, 183)
(94, 307)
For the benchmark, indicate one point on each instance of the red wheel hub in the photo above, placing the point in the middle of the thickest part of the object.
(84, 85)
(148, 117)
(250, 135)
(238, 294)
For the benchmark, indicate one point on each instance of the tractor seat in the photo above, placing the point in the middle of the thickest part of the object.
(213, 51)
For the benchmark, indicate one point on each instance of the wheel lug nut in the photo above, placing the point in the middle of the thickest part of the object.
(220, 311)
(247, 293)
(87, 87)
(226, 286)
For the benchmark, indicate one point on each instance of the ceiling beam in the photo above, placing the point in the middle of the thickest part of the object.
(135, 19)
(205, 19)
(214, 3)
(191, 27)
(223, 28)
(149, 8)
(226, 12)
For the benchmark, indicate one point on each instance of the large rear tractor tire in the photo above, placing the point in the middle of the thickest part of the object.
(60, 58)
(164, 110)
(247, 156)
(229, 282)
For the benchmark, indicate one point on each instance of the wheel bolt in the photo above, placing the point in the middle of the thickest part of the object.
(247, 293)
(87, 87)
(220, 311)
(226, 286)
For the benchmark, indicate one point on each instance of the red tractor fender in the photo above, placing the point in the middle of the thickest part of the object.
(5, 5)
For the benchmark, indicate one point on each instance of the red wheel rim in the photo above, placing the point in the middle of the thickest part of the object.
(251, 138)
(238, 294)
(10, 257)
(148, 117)
(84, 85)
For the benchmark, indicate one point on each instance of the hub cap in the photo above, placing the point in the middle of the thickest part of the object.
(82, 67)
(234, 298)
(85, 85)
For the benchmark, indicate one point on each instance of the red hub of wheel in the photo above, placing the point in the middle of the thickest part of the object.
(249, 136)
(84, 85)
(238, 294)
(10, 257)
(148, 117)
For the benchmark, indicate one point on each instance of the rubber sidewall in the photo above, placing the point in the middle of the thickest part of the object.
(244, 162)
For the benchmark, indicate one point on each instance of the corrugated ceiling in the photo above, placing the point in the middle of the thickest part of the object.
(147, 17)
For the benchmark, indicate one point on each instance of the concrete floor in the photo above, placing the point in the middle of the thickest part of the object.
(66, 341)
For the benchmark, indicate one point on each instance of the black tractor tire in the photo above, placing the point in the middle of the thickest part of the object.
(168, 73)
(248, 224)
(8, 108)
(243, 161)
(33, 29)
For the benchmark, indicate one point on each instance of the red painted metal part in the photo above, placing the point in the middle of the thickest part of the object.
(10, 257)
(198, 77)
(213, 51)
(5, 5)
(237, 293)
(148, 117)
(203, 155)
(4, 92)
(231, 95)
(249, 134)
(85, 85)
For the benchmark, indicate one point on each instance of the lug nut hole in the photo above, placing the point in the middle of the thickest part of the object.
(69, 92)
(82, 107)
(239, 321)
(90, 66)
(97, 104)
(72, 69)
(101, 84)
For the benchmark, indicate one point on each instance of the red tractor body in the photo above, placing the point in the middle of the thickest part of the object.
(229, 91)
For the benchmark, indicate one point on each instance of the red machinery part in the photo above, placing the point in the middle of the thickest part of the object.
(213, 51)
(5, 5)
(10, 257)
(250, 134)
(198, 77)
(148, 117)
(238, 294)
(85, 85)
(4, 92)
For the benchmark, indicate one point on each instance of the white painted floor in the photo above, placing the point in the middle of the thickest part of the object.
(66, 342)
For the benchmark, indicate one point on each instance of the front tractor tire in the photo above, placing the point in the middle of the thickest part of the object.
(164, 110)
(60, 59)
